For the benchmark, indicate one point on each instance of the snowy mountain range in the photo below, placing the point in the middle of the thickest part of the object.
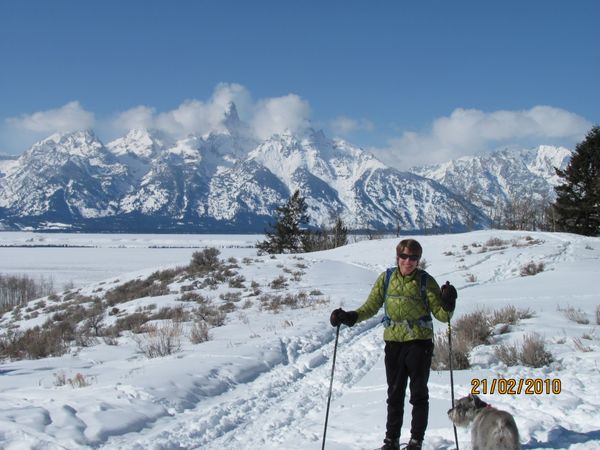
(230, 182)
(491, 180)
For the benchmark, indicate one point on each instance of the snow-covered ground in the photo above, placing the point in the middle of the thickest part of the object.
(262, 380)
(80, 259)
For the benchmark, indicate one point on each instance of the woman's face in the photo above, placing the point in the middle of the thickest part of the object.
(407, 261)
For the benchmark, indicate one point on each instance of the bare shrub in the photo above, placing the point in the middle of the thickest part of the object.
(441, 353)
(135, 289)
(176, 313)
(531, 268)
(509, 315)
(581, 346)
(192, 297)
(528, 242)
(132, 322)
(297, 275)
(160, 340)
(60, 379)
(533, 352)
(247, 304)
(237, 282)
(598, 315)
(255, 288)
(274, 303)
(34, 343)
(95, 320)
(110, 339)
(575, 315)
(231, 296)
(77, 381)
(496, 242)
(227, 307)
(210, 282)
(84, 338)
(205, 261)
(278, 283)
(508, 354)
(473, 328)
(199, 332)
(211, 315)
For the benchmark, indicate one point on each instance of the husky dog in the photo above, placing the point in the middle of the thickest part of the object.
(491, 428)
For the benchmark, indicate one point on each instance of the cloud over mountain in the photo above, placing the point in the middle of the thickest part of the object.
(469, 131)
(463, 132)
(69, 117)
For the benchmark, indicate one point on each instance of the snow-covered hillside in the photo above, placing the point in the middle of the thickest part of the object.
(261, 381)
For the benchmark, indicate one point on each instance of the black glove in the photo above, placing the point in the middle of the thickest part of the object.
(449, 296)
(339, 316)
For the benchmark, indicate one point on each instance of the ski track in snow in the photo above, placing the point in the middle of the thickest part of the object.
(230, 420)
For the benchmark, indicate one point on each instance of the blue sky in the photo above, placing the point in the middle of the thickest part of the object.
(414, 82)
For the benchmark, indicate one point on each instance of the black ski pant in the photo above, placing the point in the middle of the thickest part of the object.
(407, 362)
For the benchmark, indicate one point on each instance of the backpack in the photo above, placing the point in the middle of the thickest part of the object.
(424, 321)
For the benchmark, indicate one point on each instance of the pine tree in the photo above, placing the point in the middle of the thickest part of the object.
(578, 198)
(325, 238)
(340, 233)
(287, 234)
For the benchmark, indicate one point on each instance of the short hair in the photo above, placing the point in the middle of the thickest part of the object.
(411, 245)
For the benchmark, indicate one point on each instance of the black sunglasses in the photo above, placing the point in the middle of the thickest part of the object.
(411, 257)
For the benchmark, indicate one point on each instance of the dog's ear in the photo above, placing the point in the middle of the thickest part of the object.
(477, 402)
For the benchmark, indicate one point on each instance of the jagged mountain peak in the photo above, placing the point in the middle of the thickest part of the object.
(232, 119)
(76, 144)
(141, 143)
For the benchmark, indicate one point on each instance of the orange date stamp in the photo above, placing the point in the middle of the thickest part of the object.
(513, 386)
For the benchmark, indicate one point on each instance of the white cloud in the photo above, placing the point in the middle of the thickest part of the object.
(139, 117)
(343, 126)
(191, 117)
(69, 117)
(276, 115)
(471, 131)
(265, 117)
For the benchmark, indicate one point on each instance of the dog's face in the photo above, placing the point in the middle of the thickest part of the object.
(465, 410)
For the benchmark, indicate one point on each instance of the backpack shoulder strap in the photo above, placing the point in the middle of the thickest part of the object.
(388, 274)
(423, 290)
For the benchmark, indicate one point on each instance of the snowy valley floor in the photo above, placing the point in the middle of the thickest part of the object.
(261, 381)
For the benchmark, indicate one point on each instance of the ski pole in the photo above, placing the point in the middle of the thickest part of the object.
(337, 334)
(452, 378)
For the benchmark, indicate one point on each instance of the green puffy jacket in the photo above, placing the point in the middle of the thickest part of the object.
(405, 306)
